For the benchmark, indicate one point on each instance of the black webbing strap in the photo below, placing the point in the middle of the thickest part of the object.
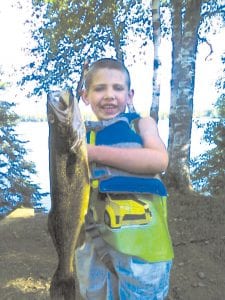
(99, 244)
(92, 229)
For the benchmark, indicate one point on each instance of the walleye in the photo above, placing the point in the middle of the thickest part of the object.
(69, 187)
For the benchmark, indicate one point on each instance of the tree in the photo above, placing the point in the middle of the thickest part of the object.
(72, 32)
(209, 168)
(187, 16)
(154, 111)
(16, 186)
(184, 49)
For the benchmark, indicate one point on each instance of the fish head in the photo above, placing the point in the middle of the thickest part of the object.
(59, 106)
(63, 112)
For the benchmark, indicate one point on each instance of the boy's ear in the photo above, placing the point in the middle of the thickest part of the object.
(84, 97)
(130, 96)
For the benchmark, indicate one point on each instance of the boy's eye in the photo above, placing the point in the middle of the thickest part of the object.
(99, 88)
(118, 87)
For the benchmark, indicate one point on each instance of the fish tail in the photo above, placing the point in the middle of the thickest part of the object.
(63, 289)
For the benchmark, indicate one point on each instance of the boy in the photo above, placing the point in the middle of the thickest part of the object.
(141, 271)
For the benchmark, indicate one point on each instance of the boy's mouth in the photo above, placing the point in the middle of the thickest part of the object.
(109, 108)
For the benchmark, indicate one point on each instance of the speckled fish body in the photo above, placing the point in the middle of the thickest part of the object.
(69, 186)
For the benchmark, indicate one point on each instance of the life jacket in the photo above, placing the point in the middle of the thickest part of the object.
(130, 210)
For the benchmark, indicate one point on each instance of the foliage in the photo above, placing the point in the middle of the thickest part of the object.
(72, 32)
(212, 20)
(209, 168)
(16, 186)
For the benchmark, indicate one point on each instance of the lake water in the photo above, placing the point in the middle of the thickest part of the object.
(36, 133)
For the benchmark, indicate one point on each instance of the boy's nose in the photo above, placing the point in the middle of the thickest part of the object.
(109, 98)
(109, 95)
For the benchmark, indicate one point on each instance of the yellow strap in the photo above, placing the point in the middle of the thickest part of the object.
(95, 182)
(92, 137)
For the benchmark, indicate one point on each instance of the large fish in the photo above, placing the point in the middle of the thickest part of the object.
(69, 187)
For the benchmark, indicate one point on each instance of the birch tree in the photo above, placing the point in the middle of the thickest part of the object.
(186, 19)
(185, 23)
(154, 111)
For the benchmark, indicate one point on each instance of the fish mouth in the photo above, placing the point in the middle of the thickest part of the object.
(61, 106)
(63, 109)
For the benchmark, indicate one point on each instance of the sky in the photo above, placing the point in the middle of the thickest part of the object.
(15, 37)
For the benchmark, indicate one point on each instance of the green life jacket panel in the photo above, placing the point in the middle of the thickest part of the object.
(130, 210)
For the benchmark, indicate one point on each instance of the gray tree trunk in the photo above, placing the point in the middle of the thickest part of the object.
(154, 111)
(185, 23)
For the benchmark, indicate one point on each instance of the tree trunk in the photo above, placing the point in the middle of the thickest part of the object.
(185, 23)
(117, 34)
(80, 84)
(154, 111)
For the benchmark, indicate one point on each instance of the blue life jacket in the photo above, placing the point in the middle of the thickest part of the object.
(133, 215)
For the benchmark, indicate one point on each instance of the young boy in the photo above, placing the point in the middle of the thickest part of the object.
(142, 262)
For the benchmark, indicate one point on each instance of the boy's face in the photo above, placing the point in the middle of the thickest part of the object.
(108, 93)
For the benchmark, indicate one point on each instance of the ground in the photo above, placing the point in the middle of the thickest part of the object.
(197, 226)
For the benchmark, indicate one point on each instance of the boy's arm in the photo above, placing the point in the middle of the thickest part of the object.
(150, 159)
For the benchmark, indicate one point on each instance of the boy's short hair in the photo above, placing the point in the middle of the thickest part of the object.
(108, 63)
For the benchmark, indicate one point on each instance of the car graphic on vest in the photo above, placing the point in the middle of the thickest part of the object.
(121, 212)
